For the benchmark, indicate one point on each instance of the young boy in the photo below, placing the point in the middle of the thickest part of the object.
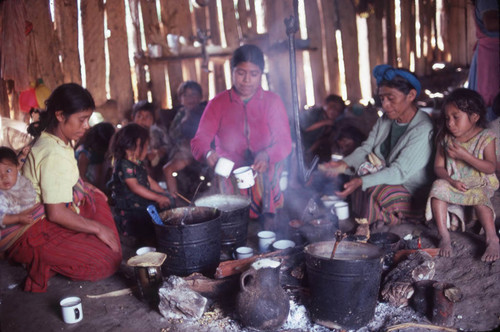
(17, 198)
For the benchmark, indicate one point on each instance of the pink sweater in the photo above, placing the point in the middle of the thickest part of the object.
(224, 118)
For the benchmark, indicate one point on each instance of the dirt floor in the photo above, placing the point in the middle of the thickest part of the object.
(479, 310)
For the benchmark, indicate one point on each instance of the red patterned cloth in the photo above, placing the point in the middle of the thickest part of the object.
(47, 248)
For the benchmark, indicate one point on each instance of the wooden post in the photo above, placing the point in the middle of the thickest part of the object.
(456, 46)
(330, 52)
(278, 59)
(120, 82)
(176, 19)
(66, 18)
(230, 24)
(153, 34)
(313, 17)
(470, 28)
(375, 39)
(200, 15)
(407, 32)
(4, 99)
(216, 40)
(140, 73)
(390, 33)
(93, 45)
(350, 48)
(46, 44)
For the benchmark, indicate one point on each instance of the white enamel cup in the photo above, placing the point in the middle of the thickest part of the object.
(224, 166)
(283, 244)
(144, 250)
(342, 210)
(266, 239)
(243, 252)
(71, 309)
(245, 177)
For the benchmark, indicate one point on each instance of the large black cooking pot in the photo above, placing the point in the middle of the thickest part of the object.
(190, 237)
(235, 211)
(344, 290)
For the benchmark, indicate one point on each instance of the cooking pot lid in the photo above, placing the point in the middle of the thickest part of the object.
(150, 259)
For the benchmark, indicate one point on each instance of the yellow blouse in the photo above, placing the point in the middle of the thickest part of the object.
(52, 168)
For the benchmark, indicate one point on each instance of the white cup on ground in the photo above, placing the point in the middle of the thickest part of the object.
(223, 167)
(71, 309)
(245, 177)
(341, 210)
(243, 252)
(266, 239)
(144, 250)
(283, 244)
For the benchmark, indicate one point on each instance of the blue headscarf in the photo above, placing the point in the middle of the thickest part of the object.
(386, 72)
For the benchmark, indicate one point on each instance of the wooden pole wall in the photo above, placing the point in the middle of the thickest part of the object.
(50, 41)
(316, 56)
(45, 47)
(350, 50)
(93, 41)
(330, 52)
(66, 18)
(120, 82)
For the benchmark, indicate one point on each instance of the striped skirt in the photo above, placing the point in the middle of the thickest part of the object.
(388, 203)
(47, 248)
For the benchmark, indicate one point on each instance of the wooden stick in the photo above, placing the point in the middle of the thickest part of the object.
(183, 198)
(426, 326)
(400, 254)
(125, 291)
(228, 268)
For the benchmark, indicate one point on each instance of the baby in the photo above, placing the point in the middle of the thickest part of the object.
(17, 195)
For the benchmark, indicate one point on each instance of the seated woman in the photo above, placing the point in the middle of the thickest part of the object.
(392, 167)
(182, 130)
(250, 127)
(76, 237)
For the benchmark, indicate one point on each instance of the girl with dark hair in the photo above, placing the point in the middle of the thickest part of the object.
(250, 127)
(465, 166)
(131, 187)
(76, 237)
(390, 167)
(91, 152)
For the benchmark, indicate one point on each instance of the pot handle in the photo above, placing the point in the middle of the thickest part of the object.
(247, 273)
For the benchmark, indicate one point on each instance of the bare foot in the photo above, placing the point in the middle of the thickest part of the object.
(445, 248)
(492, 252)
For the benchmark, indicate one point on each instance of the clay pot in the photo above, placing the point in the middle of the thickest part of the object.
(262, 304)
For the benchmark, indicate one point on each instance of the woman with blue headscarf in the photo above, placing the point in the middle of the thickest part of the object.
(391, 168)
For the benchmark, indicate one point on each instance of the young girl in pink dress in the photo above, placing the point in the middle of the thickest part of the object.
(465, 166)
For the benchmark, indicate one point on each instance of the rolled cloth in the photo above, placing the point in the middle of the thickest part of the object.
(386, 72)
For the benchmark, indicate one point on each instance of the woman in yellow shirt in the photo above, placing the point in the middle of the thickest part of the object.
(77, 236)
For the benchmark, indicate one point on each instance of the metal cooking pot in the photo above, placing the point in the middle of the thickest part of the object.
(235, 211)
